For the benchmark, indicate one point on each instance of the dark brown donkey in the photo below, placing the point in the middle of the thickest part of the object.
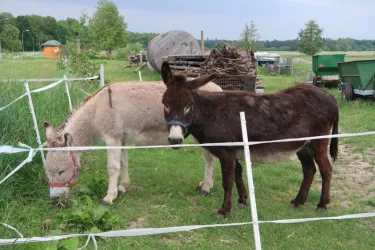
(298, 111)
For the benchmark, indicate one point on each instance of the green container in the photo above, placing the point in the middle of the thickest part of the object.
(360, 74)
(326, 65)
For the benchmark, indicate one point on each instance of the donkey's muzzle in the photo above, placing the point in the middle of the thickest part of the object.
(56, 192)
(175, 141)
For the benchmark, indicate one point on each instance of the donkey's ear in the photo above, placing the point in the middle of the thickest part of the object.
(166, 72)
(68, 139)
(200, 81)
(50, 131)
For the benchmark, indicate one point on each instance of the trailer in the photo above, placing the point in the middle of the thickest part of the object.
(325, 68)
(357, 79)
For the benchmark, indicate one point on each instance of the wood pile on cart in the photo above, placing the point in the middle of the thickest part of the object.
(236, 72)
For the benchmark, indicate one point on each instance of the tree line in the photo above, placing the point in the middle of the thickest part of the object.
(341, 44)
(106, 30)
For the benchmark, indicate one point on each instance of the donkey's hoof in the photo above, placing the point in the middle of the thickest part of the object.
(241, 205)
(204, 192)
(107, 203)
(121, 189)
(221, 213)
(220, 216)
(293, 206)
(320, 209)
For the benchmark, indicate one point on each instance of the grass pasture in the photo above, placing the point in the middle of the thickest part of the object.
(162, 190)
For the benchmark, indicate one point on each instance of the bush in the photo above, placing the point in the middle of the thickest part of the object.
(131, 48)
(78, 63)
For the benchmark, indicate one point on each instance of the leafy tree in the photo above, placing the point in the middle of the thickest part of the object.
(143, 38)
(6, 18)
(310, 38)
(77, 63)
(245, 38)
(344, 44)
(249, 36)
(9, 37)
(293, 45)
(33, 39)
(107, 27)
(69, 28)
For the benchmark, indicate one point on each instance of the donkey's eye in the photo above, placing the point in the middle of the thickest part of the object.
(166, 107)
(61, 172)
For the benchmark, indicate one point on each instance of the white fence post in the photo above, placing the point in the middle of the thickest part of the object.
(101, 75)
(31, 105)
(140, 75)
(250, 181)
(68, 93)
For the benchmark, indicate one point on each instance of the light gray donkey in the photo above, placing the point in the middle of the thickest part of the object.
(118, 113)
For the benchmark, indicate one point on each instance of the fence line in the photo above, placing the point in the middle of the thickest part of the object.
(151, 231)
(155, 231)
(67, 92)
(304, 61)
(32, 111)
(53, 79)
(52, 85)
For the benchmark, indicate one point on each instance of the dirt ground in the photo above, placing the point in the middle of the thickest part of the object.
(353, 179)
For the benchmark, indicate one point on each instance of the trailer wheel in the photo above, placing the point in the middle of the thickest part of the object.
(347, 92)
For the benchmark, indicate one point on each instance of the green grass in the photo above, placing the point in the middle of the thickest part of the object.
(162, 191)
(349, 55)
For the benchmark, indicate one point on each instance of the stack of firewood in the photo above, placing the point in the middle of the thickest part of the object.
(228, 61)
(188, 65)
(231, 67)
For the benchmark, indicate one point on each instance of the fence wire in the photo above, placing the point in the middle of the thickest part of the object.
(7, 149)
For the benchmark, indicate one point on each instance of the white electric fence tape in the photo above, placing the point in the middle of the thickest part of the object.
(49, 79)
(149, 231)
(10, 227)
(153, 231)
(11, 150)
(68, 93)
(250, 181)
(32, 111)
(52, 85)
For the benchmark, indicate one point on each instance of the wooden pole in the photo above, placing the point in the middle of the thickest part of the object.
(78, 50)
(202, 42)
(101, 73)
(78, 46)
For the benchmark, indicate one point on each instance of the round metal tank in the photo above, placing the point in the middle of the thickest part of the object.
(174, 42)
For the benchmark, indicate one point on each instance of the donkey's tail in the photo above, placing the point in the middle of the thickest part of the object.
(333, 148)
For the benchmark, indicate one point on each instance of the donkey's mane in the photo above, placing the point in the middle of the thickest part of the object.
(80, 105)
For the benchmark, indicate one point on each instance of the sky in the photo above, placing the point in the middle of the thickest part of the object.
(275, 19)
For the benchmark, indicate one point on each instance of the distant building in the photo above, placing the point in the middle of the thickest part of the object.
(52, 49)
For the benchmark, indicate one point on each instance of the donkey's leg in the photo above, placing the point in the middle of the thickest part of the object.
(113, 168)
(124, 173)
(208, 182)
(325, 168)
(308, 169)
(242, 194)
(227, 160)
